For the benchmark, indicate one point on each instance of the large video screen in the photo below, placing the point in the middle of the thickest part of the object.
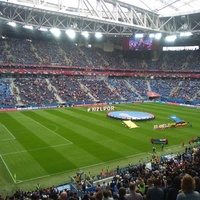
(140, 44)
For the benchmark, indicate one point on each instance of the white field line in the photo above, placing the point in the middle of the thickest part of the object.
(68, 143)
(6, 139)
(19, 181)
(9, 132)
(7, 169)
(51, 131)
(13, 137)
(49, 175)
(135, 155)
(86, 167)
(25, 151)
(39, 177)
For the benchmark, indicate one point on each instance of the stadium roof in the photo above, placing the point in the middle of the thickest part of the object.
(168, 7)
(111, 17)
(160, 7)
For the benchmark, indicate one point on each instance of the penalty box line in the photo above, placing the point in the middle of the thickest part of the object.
(86, 167)
(42, 148)
(12, 136)
(25, 151)
(6, 166)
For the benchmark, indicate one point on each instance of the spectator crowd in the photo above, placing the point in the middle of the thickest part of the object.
(172, 179)
(38, 52)
(40, 90)
(166, 179)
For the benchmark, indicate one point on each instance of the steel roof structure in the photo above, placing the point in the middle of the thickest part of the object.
(168, 8)
(110, 17)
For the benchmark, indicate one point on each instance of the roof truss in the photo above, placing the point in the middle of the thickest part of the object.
(107, 16)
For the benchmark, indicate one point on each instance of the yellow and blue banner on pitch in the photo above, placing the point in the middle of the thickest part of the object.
(129, 124)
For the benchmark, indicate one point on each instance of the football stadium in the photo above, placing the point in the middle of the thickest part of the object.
(99, 99)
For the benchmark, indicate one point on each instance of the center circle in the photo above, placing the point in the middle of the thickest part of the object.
(131, 115)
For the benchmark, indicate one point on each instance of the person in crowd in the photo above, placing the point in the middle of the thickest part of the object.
(85, 197)
(63, 195)
(133, 195)
(112, 185)
(99, 195)
(121, 193)
(183, 144)
(83, 186)
(148, 185)
(103, 186)
(174, 190)
(107, 195)
(72, 195)
(187, 189)
(155, 192)
(167, 187)
(140, 185)
(197, 183)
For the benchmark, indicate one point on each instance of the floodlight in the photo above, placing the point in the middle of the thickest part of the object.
(158, 36)
(55, 31)
(85, 34)
(98, 35)
(170, 38)
(185, 34)
(28, 27)
(139, 35)
(43, 29)
(71, 33)
(151, 35)
(11, 24)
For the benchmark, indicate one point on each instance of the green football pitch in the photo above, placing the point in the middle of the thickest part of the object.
(48, 146)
